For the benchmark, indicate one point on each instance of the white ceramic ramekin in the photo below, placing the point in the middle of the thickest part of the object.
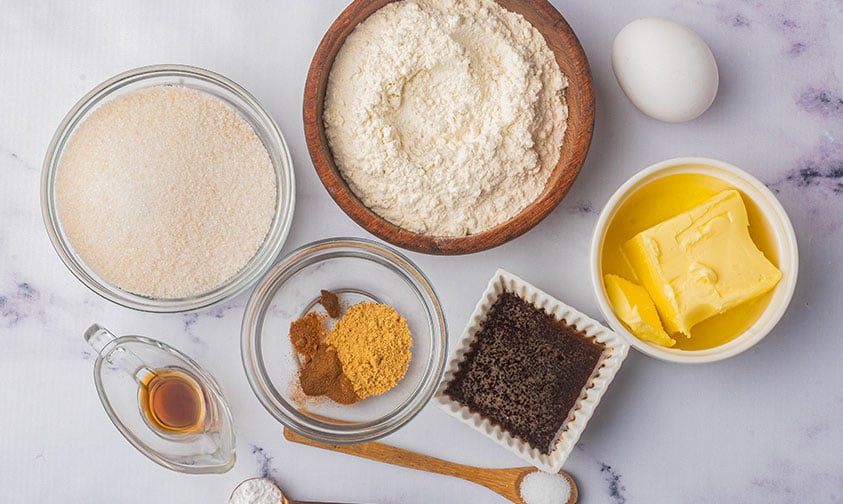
(770, 209)
(608, 366)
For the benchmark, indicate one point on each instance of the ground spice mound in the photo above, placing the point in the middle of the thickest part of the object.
(322, 375)
(306, 333)
(331, 303)
(525, 371)
(342, 391)
(320, 372)
(373, 344)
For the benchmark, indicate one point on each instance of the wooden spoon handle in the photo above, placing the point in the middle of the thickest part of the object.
(390, 454)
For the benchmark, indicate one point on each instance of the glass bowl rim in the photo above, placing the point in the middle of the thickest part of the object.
(255, 312)
(252, 111)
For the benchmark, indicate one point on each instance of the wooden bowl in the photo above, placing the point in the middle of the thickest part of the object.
(579, 95)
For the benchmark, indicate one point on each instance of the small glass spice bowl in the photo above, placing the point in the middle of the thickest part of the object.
(235, 97)
(357, 270)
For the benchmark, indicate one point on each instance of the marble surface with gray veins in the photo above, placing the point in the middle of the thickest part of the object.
(763, 427)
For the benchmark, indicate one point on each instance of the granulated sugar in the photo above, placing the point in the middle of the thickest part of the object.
(544, 488)
(166, 192)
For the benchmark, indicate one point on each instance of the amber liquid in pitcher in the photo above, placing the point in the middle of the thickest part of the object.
(172, 402)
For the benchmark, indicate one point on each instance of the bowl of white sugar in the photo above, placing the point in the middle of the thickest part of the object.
(448, 127)
(167, 189)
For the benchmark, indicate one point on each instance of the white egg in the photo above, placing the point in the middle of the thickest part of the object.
(665, 69)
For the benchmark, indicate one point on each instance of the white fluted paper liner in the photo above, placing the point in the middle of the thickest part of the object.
(572, 428)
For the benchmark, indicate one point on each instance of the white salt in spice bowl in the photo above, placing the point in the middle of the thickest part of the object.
(247, 267)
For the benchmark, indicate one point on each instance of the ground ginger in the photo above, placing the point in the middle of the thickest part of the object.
(373, 344)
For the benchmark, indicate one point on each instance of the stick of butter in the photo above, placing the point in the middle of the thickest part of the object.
(701, 262)
(634, 306)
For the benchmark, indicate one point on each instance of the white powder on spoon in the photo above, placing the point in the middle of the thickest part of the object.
(445, 117)
(256, 491)
(165, 192)
(540, 487)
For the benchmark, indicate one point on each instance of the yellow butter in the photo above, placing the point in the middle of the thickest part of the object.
(634, 306)
(701, 262)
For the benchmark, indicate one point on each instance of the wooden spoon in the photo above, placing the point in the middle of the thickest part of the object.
(506, 482)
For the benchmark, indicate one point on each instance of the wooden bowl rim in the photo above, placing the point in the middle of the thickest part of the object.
(577, 138)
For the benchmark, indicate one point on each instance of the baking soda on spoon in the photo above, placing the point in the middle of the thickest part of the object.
(256, 491)
(545, 488)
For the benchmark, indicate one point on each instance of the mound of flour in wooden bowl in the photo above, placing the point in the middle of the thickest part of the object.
(445, 117)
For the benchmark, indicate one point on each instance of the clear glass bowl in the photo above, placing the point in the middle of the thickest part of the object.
(358, 270)
(238, 99)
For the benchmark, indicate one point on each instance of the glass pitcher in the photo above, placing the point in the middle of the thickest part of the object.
(163, 403)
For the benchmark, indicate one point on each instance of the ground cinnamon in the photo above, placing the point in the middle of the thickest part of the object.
(321, 372)
(306, 333)
(331, 303)
(342, 391)
(317, 374)
(322, 375)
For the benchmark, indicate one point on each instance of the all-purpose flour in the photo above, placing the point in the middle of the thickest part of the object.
(445, 117)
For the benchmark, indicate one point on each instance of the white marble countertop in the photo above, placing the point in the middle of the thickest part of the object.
(762, 427)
